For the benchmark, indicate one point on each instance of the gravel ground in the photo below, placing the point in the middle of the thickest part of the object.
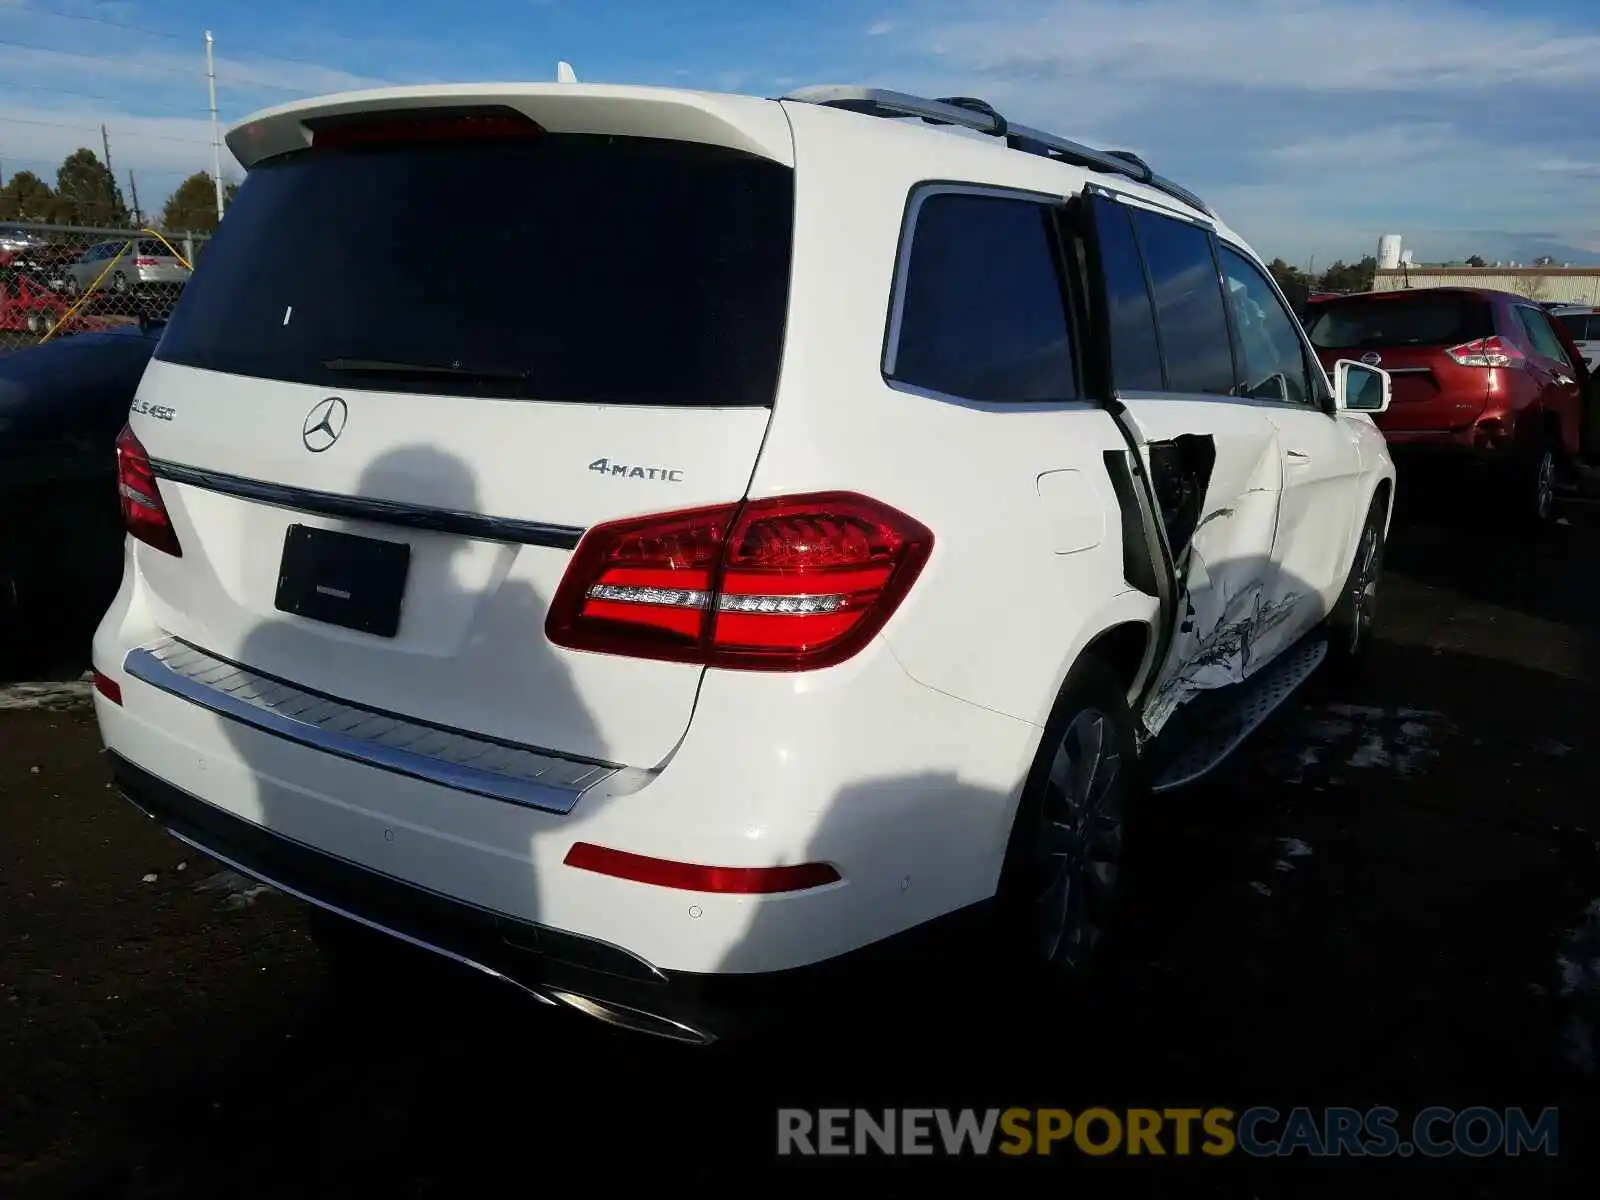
(1374, 904)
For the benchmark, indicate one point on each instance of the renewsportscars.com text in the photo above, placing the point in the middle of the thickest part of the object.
(1169, 1132)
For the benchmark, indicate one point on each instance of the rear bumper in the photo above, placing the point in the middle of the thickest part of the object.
(554, 966)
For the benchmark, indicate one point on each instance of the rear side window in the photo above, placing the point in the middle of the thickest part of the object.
(587, 269)
(1189, 306)
(1135, 352)
(1396, 319)
(983, 315)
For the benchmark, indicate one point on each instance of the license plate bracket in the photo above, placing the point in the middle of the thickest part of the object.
(343, 579)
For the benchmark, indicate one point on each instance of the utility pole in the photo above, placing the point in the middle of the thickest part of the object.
(216, 130)
(133, 188)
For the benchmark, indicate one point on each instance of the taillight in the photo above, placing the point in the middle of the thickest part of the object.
(792, 583)
(1487, 352)
(145, 262)
(143, 513)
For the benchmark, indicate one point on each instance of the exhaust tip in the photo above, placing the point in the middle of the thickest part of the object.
(634, 1019)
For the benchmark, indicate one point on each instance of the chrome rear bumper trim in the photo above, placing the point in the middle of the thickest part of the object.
(534, 778)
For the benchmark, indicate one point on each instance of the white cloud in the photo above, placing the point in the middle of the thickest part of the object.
(879, 28)
(1312, 125)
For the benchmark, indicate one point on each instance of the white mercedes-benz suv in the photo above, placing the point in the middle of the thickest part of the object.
(816, 529)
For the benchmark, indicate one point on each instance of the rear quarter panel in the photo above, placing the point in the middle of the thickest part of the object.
(1027, 563)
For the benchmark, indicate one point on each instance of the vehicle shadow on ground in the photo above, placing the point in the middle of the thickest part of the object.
(1364, 908)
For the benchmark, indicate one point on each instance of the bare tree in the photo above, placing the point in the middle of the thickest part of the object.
(1532, 287)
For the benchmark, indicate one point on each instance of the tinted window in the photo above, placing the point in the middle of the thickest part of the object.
(1135, 353)
(1581, 326)
(1189, 307)
(983, 314)
(1274, 359)
(1396, 319)
(1543, 337)
(572, 268)
(150, 248)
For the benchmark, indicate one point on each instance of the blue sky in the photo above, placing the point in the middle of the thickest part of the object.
(1467, 126)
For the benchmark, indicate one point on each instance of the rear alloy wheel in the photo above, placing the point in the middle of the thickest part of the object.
(1350, 624)
(1544, 485)
(1066, 858)
(119, 284)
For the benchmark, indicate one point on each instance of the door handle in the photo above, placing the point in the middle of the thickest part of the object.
(1299, 455)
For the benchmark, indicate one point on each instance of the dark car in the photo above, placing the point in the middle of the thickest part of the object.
(62, 405)
(1481, 377)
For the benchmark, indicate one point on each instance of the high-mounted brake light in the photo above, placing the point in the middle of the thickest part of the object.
(792, 583)
(144, 514)
(688, 877)
(1487, 352)
(435, 125)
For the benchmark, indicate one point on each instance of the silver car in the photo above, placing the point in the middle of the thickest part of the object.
(132, 263)
(1583, 323)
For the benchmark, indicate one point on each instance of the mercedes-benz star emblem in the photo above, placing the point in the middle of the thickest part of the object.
(324, 424)
(1371, 358)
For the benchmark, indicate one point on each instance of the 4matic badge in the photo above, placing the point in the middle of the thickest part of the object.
(623, 470)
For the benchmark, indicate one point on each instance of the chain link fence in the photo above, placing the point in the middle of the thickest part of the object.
(58, 280)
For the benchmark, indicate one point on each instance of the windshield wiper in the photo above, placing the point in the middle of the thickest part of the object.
(453, 370)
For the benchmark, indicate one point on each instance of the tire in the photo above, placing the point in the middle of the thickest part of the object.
(1065, 861)
(1536, 506)
(119, 284)
(1349, 626)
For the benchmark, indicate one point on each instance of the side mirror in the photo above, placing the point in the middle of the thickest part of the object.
(1360, 388)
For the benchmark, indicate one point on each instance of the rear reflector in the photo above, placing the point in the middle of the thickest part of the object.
(144, 514)
(1487, 352)
(637, 868)
(424, 125)
(790, 583)
(108, 687)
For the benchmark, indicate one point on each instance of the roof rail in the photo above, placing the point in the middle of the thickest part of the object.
(971, 113)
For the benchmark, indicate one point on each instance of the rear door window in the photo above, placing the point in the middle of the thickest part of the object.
(1391, 320)
(983, 314)
(1135, 351)
(1189, 307)
(585, 269)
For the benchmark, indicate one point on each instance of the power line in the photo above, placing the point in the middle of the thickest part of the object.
(180, 37)
(149, 137)
(39, 87)
(100, 58)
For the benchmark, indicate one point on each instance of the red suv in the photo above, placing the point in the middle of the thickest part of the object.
(1478, 374)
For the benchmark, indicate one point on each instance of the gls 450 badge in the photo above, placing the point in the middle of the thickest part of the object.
(664, 474)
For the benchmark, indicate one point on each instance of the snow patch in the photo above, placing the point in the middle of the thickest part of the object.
(1578, 965)
(47, 697)
(238, 891)
(1362, 737)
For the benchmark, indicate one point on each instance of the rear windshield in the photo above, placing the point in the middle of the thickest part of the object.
(150, 248)
(574, 268)
(1436, 320)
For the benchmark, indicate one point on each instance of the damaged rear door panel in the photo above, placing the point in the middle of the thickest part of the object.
(1213, 459)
